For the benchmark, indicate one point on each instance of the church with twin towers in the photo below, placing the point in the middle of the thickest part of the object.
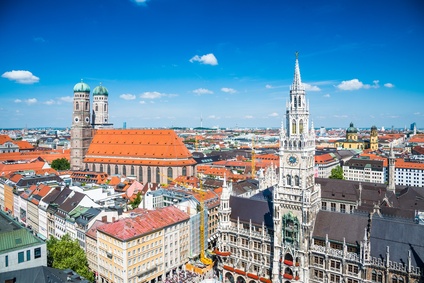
(296, 228)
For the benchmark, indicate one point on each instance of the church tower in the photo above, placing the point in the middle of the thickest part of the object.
(100, 117)
(81, 130)
(374, 138)
(392, 168)
(296, 198)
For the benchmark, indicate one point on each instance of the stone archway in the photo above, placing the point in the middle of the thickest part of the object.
(229, 278)
(240, 279)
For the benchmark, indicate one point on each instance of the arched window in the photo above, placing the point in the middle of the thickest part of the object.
(296, 180)
(105, 108)
(132, 170)
(140, 174)
(87, 106)
(116, 169)
(401, 279)
(124, 170)
(97, 107)
(108, 169)
(295, 101)
(77, 105)
(157, 175)
(301, 126)
(169, 174)
(184, 171)
(101, 168)
(394, 279)
(288, 180)
(299, 101)
(294, 127)
(149, 174)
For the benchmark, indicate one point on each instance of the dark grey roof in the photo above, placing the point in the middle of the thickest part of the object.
(52, 195)
(338, 189)
(42, 274)
(72, 201)
(246, 209)
(33, 180)
(360, 164)
(339, 226)
(86, 217)
(245, 186)
(401, 237)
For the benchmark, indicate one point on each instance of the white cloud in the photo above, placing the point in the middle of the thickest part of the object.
(151, 95)
(49, 102)
(18, 101)
(417, 113)
(309, 87)
(350, 85)
(214, 117)
(142, 102)
(228, 90)
(66, 99)
(30, 101)
(340, 116)
(127, 96)
(268, 86)
(208, 59)
(21, 76)
(326, 95)
(201, 91)
(248, 117)
(140, 2)
(356, 84)
(275, 114)
(389, 85)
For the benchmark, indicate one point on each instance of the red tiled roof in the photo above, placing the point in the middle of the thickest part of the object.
(47, 155)
(24, 145)
(4, 138)
(139, 147)
(145, 222)
(400, 163)
(8, 168)
(324, 158)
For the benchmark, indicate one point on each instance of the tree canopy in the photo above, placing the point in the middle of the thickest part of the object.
(136, 202)
(337, 173)
(61, 164)
(66, 253)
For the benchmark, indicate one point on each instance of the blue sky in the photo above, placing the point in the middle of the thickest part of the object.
(169, 62)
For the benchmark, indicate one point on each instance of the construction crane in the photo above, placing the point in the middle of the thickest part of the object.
(253, 159)
(205, 260)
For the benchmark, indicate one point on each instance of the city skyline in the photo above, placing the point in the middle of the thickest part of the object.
(230, 63)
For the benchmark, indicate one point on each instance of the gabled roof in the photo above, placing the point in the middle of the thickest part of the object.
(24, 145)
(42, 274)
(145, 222)
(335, 225)
(72, 201)
(257, 210)
(4, 139)
(400, 237)
(139, 147)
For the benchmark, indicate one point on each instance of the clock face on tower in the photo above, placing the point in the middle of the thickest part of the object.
(292, 160)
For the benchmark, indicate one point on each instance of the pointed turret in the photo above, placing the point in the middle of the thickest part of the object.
(297, 81)
(392, 161)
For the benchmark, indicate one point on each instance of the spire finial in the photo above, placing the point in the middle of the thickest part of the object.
(297, 82)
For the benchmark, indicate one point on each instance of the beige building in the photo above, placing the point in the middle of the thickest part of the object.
(143, 247)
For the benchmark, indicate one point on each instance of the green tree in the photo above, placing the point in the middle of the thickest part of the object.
(337, 173)
(66, 253)
(136, 202)
(61, 164)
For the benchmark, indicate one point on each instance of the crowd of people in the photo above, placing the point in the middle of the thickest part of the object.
(182, 277)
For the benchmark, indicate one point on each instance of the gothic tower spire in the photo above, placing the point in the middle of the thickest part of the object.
(296, 197)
